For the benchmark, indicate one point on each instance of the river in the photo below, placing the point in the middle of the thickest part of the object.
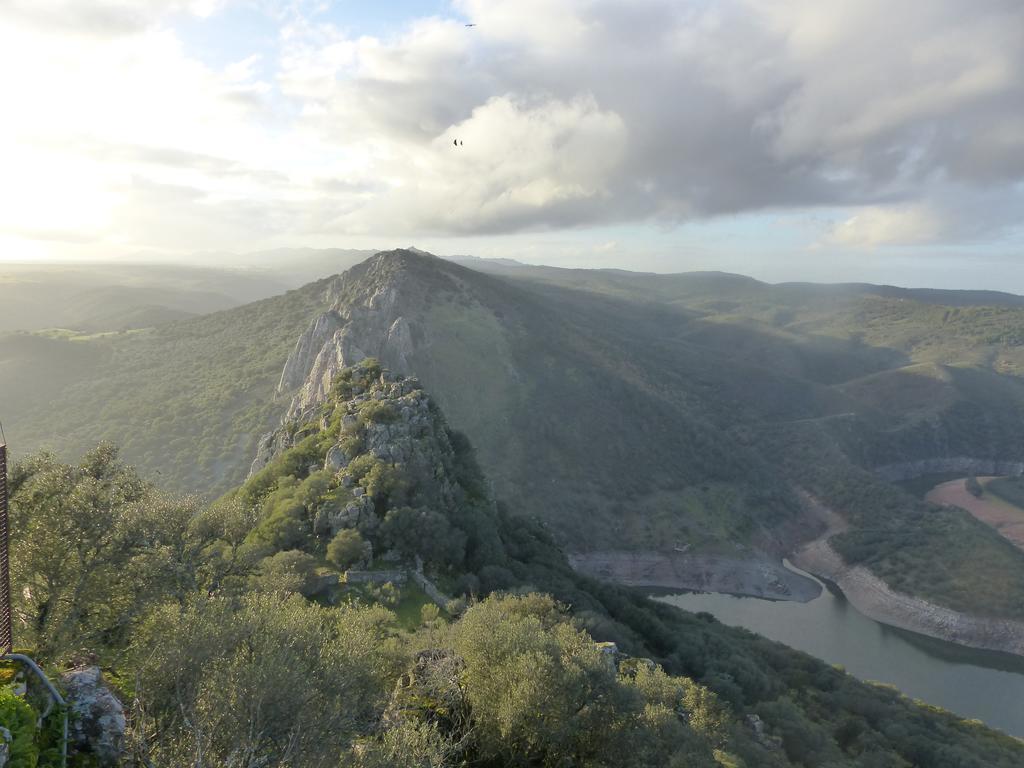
(985, 685)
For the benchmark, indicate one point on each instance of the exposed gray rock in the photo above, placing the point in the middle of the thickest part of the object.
(336, 459)
(270, 445)
(370, 317)
(966, 465)
(312, 340)
(761, 735)
(97, 717)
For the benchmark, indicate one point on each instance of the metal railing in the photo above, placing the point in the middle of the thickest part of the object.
(6, 634)
(55, 698)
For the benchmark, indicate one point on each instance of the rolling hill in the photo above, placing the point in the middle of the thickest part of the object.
(623, 410)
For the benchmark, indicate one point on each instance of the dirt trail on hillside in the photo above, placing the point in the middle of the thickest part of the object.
(1007, 519)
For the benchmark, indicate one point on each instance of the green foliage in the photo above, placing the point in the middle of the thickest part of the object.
(1009, 489)
(423, 532)
(346, 548)
(283, 681)
(973, 486)
(186, 401)
(288, 571)
(230, 666)
(92, 547)
(377, 412)
(19, 718)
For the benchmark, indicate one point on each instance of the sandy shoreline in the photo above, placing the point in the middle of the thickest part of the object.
(765, 578)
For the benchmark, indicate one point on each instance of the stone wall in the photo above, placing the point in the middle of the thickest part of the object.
(395, 576)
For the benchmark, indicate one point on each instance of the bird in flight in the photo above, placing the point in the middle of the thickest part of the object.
(471, 25)
(457, 143)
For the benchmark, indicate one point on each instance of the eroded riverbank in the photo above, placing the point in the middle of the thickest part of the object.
(876, 600)
(972, 683)
(751, 577)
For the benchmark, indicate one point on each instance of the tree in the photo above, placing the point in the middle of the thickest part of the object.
(288, 571)
(423, 532)
(92, 547)
(973, 487)
(346, 548)
(264, 682)
(541, 691)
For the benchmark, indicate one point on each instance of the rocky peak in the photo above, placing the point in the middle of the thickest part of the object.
(377, 457)
(373, 310)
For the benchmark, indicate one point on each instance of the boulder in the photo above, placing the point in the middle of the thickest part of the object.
(336, 459)
(97, 722)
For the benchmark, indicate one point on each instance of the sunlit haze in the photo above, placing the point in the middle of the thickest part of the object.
(849, 140)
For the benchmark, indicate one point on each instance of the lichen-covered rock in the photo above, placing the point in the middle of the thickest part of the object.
(307, 348)
(372, 306)
(336, 459)
(97, 722)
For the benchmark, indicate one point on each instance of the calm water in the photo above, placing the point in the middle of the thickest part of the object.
(975, 684)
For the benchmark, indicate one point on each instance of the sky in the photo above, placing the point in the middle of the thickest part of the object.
(786, 139)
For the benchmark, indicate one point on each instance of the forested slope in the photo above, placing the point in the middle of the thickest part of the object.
(192, 610)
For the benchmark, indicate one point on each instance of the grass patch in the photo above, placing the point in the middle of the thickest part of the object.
(1008, 489)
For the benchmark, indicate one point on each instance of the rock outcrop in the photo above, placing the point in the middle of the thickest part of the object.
(372, 313)
(387, 467)
(97, 724)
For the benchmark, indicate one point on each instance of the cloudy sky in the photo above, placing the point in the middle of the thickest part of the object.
(826, 139)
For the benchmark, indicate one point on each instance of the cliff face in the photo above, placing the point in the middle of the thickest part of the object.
(373, 311)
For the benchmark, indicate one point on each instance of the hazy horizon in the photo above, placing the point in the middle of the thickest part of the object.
(783, 140)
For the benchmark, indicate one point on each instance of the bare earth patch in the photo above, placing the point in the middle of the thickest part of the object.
(1004, 517)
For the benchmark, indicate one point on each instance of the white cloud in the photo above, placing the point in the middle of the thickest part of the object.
(911, 224)
(573, 112)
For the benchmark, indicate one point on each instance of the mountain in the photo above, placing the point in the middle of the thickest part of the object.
(114, 297)
(676, 286)
(627, 412)
(695, 423)
(186, 401)
(374, 455)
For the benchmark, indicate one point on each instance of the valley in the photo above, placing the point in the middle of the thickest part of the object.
(628, 412)
(595, 445)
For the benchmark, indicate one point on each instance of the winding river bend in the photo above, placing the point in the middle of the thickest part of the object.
(985, 685)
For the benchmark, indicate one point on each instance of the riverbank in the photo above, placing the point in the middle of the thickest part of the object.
(696, 572)
(876, 600)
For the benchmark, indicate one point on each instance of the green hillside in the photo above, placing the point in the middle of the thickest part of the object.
(625, 411)
(186, 400)
(193, 611)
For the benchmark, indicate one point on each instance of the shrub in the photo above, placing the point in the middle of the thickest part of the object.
(19, 718)
(377, 412)
(345, 549)
(423, 532)
(288, 571)
(973, 487)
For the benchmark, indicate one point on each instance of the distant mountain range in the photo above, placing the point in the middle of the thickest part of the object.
(625, 410)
